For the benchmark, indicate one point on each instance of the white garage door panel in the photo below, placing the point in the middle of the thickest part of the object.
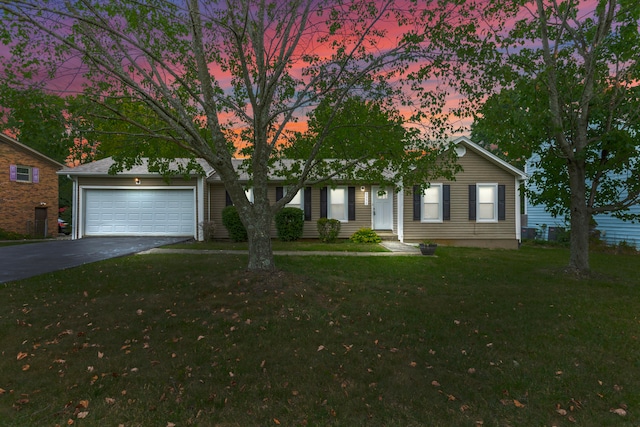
(139, 212)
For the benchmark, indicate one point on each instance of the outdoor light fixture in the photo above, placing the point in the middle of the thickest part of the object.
(137, 180)
(362, 188)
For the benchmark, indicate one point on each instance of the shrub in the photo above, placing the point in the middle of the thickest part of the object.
(10, 235)
(365, 235)
(328, 229)
(208, 230)
(290, 224)
(235, 227)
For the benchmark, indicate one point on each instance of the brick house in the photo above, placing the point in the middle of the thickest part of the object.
(28, 190)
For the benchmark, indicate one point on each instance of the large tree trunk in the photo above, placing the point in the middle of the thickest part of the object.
(259, 234)
(580, 220)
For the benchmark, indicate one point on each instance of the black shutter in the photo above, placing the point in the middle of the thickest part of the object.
(446, 202)
(228, 197)
(307, 204)
(279, 193)
(323, 202)
(502, 203)
(351, 196)
(416, 203)
(472, 202)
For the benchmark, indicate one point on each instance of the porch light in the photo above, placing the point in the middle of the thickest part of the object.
(137, 181)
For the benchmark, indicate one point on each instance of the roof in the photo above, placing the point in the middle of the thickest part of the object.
(6, 139)
(101, 167)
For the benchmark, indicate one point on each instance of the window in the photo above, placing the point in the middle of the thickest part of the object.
(296, 202)
(24, 174)
(338, 203)
(432, 203)
(249, 193)
(487, 202)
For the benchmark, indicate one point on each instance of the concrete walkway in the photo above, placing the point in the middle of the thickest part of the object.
(395, 248)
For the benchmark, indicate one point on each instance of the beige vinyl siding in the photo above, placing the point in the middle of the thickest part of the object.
(459, 230)
(310, 231)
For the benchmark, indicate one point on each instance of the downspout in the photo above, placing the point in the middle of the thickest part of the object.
(518, 212)
(400, 202)
(200, 209)
(75, 206)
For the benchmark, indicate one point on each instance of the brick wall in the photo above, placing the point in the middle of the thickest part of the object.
(19, 200)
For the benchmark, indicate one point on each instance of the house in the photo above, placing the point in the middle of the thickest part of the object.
(540, 224)
(479, 208)
(28, 190)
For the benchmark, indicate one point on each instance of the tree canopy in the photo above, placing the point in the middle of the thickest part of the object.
(570, 100)
(216, 77)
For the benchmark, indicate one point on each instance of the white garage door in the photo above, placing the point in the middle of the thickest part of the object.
(144, 212)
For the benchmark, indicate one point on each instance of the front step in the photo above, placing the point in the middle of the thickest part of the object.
(387, 235)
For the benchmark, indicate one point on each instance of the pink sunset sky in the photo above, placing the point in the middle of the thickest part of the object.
(69, 78)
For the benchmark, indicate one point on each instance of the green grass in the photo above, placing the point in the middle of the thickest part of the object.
(502, 337)
(300, 245)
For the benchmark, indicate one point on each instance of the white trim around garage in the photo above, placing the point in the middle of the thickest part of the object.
(137, 211)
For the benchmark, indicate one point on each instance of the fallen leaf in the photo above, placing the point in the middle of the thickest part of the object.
(2, 391)
(109, 400)
(619, 411)
(26, 367)
(100, 355)
(83, 404)
(561, 411)
(435, 383)
(413, 364)
(21, 356)
(82, 415)
(200, 337)
(170, 424)
(471, 371)
(518, 404)
(321, 347)
(276, 421)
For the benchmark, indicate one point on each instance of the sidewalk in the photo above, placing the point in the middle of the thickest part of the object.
(396, 248)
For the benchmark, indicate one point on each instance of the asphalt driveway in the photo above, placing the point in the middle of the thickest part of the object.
(22, 261)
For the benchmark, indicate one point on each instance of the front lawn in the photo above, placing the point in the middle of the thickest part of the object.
(468, 338)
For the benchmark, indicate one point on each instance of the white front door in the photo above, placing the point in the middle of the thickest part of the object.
(382, 199)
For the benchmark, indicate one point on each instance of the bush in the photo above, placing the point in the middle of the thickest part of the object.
(208, 230)
(235, 227)
(290, 224)
(365, 235)
(328, 229)
(10, 235)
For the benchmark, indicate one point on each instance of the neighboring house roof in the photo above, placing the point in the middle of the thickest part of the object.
(12, 142)
(101, 168)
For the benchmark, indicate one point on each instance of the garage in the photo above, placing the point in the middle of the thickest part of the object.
(139, 212)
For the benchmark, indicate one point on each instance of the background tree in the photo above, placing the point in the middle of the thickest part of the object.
(224, 74)
(570, 98)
